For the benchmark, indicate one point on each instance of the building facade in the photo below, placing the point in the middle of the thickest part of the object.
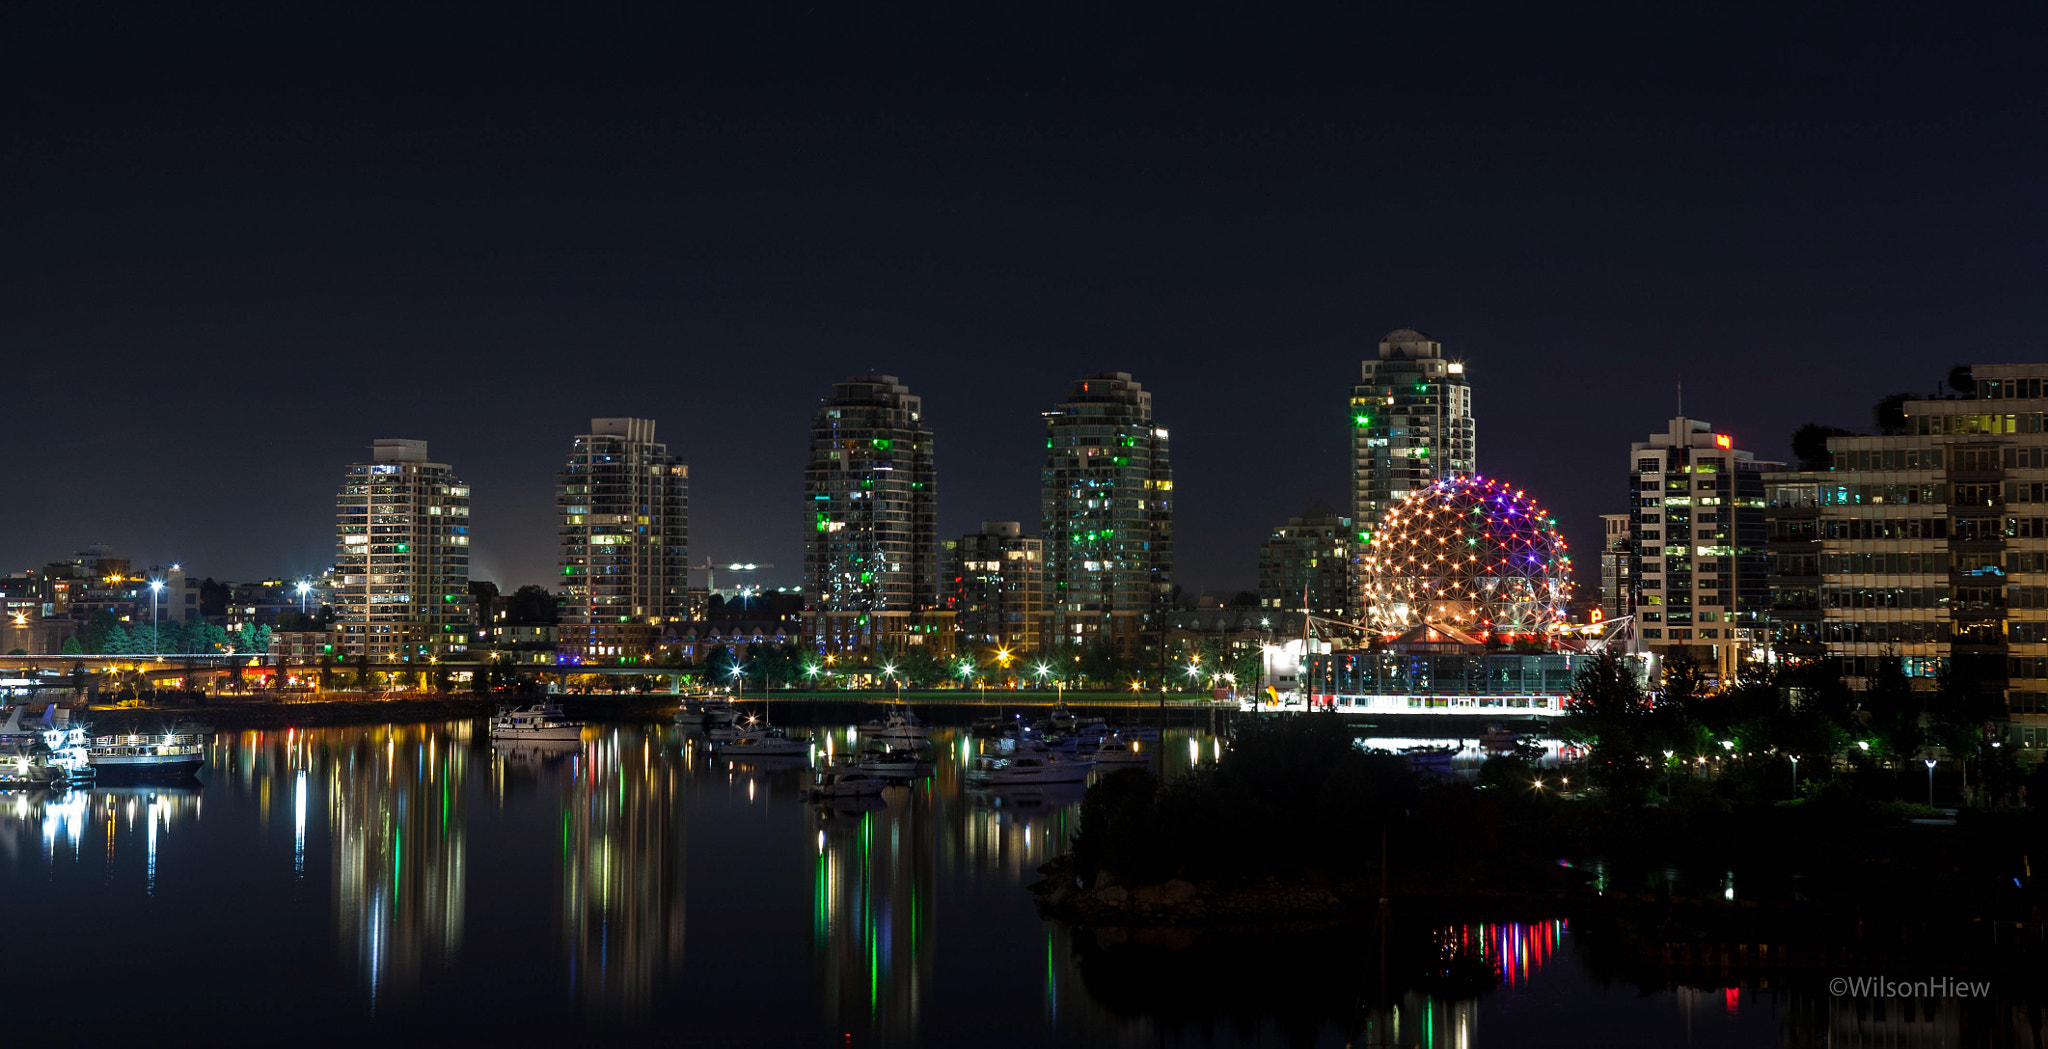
(1928, 545)
(1411, 423)
(1309, 562)
(870, 520)
(1617, 565)
(998, 588)
(1106, 508)
(1696, 519)
(401, 582)
(623, 506)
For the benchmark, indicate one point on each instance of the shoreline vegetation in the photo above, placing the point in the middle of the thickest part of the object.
(1724, 861)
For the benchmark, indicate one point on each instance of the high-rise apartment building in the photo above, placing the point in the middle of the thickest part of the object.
(1309, 559)
(1928, 545)
(871, 520)
(998, 583)
(1106, 502)
(1411, 424)
(1696, 517)
(1617, 565)
(401, 572)
(624, 506)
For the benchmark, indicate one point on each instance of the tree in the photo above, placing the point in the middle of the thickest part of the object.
(1961, 381)
(71, 647)
(1889, 413)
(530, 605)
(1608, 713)
(1894, 710)
(1810, 445)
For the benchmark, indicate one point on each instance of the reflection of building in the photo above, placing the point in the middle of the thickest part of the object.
(396, 815)
(1106, 505)
(624, 506)
(872, 918)
(997, 581)
(871, 518)
(402, 564)
(622, 879)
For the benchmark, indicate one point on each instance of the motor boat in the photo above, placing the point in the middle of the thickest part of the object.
(1496, 738)
(1029, 767)
(169, 756)
(1140, 733)
(845, 781)
(699, 708)
(539, 721)
(54, 752)
(1061, 719)
(764, 743)
(894, 763)
(1119, 751)
(900, 728)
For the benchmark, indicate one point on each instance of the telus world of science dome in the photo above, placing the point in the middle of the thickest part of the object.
(1469, 553)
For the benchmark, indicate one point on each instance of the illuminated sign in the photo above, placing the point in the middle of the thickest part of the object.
(1722, 440)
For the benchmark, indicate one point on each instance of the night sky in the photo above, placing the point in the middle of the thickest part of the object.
(236, 244)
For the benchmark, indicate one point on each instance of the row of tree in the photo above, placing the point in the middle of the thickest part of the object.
(105, 634)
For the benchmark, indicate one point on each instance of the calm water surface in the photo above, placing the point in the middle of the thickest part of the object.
(416, 882)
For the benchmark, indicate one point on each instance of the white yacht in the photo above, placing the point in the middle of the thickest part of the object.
(52, 752)
(169, 756)
(1027, 768)
(539, 721)
(765, 743)
(1117, 750)
(901, 728)
(893, 762)
(845, 781)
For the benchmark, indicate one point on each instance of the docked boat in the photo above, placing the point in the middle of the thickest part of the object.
(1497, 738)
(1061, 719)
(1422, 758)
(539, 721)
(764, 743)
(1119, 751)
(1140, 733)
(172, 755)
(901, 728)
(845, 781)
(53, 752)
(1029, 767)
(894, 763)
(704, 708)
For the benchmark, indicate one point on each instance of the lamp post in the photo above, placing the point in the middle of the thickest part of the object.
(303, 588)
(1930, 781)
(156, 589)
(1795, 777)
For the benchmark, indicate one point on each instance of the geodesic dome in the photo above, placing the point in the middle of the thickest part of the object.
(1471, 553)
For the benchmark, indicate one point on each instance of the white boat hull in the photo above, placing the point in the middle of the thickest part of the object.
(556, 733)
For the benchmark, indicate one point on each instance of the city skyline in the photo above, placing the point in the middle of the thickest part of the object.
(1773, 217)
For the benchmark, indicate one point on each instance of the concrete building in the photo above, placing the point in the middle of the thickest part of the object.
(623, 506)
(1312, 557)
(1696, 519)
(998, 588)
(1106, 505)
(1411, 423)
(401, 583)
(871, 551)
(1617, 565)
(1929, 545)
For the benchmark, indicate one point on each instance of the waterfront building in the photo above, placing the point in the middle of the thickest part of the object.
(1696, 519)
(1617, 565)
(623, 503)
(998, 588)
(871, 521)
(1309, 562)
(401, 583)
(1106, 507)
(1929, 545)
(1411, 424)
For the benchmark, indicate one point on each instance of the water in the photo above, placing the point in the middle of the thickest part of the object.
(416, 882)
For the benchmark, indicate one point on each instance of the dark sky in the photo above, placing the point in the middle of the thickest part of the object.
(238, 243)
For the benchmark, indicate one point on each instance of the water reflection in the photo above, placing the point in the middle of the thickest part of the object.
(396, 814)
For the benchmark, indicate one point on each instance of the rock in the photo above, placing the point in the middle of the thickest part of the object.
(1179, 891)
(1152, 896)
(1104, 879)
(1115, 895)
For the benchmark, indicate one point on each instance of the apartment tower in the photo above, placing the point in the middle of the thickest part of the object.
(871, 521)
(402, 556)
(1106, 503)
(624, 527)
(998, 588)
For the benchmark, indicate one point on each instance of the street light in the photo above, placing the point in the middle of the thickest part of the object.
(739, 677)
(156, 588)
(1795, 776)
(304, 588)
(1930, 781)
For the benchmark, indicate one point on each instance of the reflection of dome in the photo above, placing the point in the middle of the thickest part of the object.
(1470, 553)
